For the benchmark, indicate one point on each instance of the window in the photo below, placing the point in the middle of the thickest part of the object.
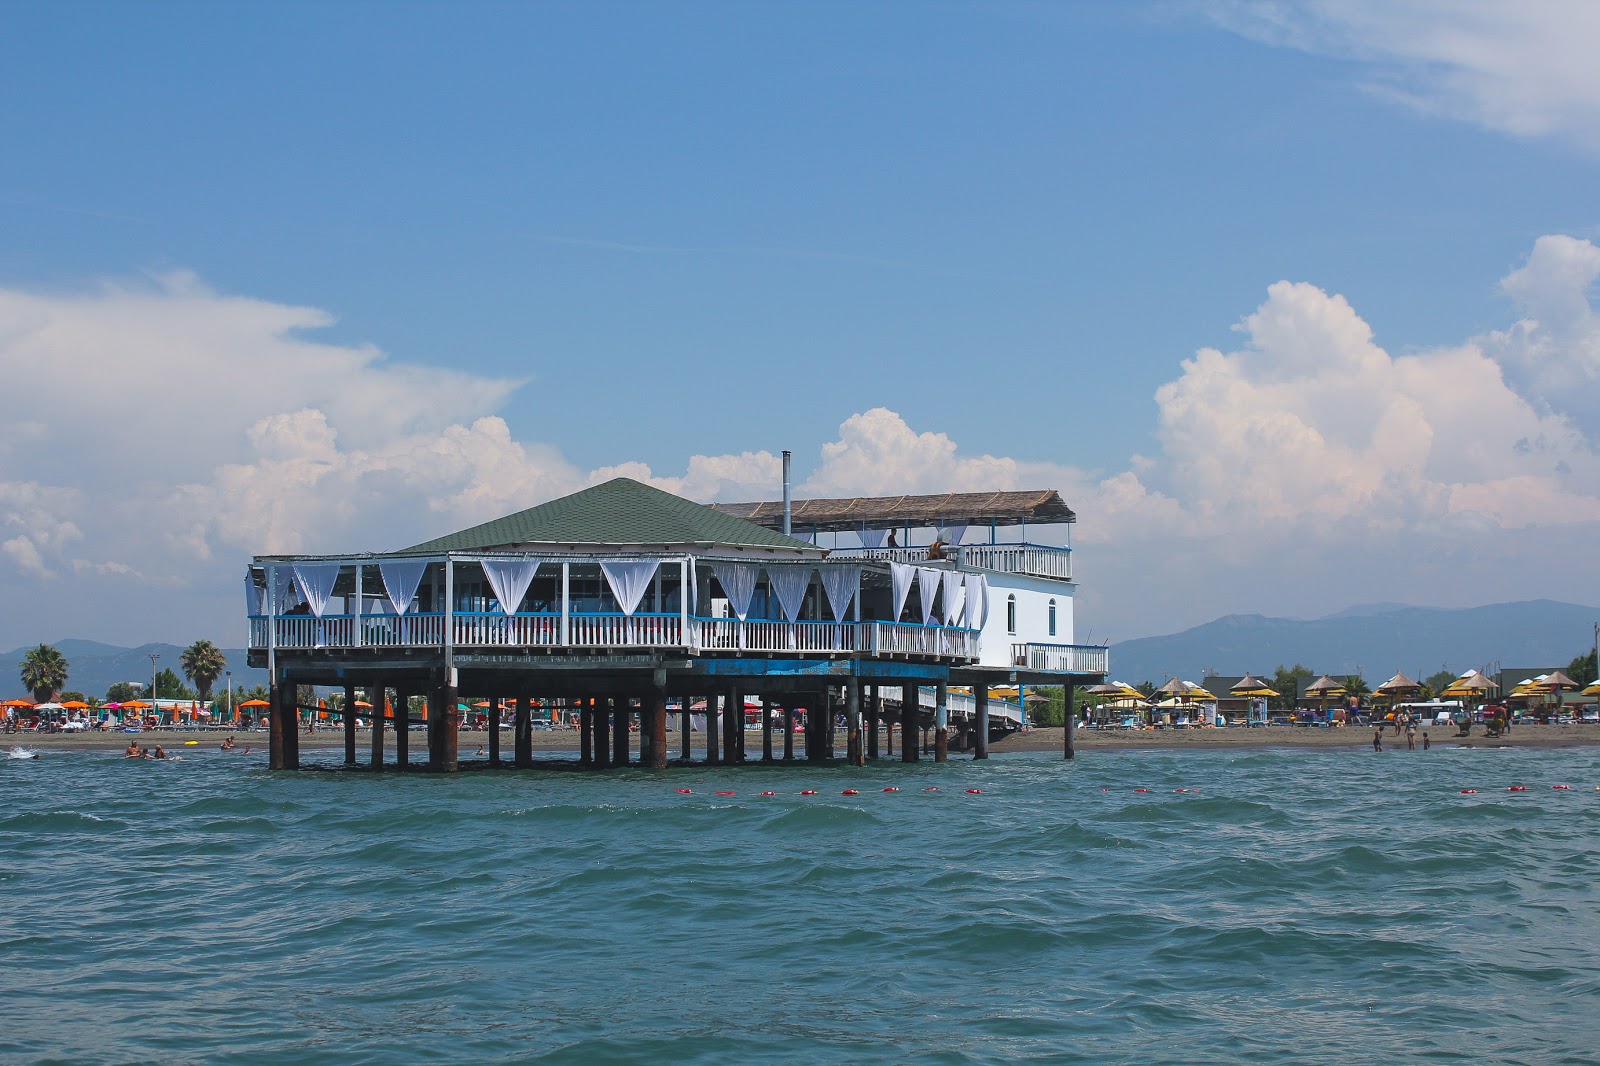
(1011, 613)
(1052, 618)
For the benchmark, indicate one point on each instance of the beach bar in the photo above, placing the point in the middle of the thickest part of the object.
(621, 601)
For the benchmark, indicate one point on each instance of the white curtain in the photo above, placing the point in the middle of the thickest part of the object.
(629, 580)
(254, 595)
(789, 584)
(927, 585)
(284, 594)
(953, 533)
(969, 601)
(839, 585)
(693, 588)
(510, 579)
(873, 538)
(950, 585)
(980, 605)
(738, 581)
(315, 582)
(400, 580)
(900, 577)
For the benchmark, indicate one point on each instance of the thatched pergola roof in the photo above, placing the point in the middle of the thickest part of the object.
(1043, 506)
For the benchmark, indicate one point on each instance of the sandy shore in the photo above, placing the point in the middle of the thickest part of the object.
(1088, 740)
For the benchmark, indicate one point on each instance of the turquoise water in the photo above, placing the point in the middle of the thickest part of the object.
(1318, 906)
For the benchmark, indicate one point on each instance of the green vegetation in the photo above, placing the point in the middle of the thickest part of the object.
(123, 691)
(203, 662)
(1582, 669)
(169, 686)
(1287, 682)
(43, 672)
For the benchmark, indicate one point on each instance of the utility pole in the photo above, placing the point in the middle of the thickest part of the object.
(153, 705)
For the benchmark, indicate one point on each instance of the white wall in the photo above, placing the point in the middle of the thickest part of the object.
(1033, 615)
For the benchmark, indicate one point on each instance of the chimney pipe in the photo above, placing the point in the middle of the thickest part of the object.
(786, 529)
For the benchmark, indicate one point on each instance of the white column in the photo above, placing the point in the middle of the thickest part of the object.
(449, 622)
(360, 604)
(272, 624)
(566, 604)
(684, 592)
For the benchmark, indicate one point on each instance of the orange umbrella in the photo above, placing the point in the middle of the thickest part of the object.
(17, 703)
(246, 703)
(136, 705)
(75, 705)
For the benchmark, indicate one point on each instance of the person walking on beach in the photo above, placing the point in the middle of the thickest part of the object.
(1377, 739)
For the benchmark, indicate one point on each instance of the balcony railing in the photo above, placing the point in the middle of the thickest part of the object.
(1062, 658)
(472, 630)
(1035, 560)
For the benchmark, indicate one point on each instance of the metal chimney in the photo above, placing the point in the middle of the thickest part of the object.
(786, 530)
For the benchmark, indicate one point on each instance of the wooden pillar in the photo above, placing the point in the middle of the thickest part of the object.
(766, 728)
(874, 716)
(291, 725)
(602, 734)
(788, 730)
(941, 722)
(494, 730)
(686, 726)
(585, 737)
(275, 753)
(980, 706)
(854, 742)
(449, 730)
(732, 713)
(377, 693)
(349, 723)
(656, 714)
(619, 730)
(818, 707)
(1069, 732)
(402, 727)
(522, 732)
(712, 725)
(910, 723)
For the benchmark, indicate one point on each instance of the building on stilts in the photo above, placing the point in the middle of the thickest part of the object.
(621, 601)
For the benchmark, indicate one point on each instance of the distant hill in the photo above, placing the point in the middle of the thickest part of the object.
(1374, 641)
(93, 667)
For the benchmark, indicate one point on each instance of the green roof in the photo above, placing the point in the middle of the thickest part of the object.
(620, 512)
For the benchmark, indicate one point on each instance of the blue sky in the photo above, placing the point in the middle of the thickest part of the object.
(344, 276)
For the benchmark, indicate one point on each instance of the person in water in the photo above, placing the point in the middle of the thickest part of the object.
(227, 743)
(1377, 739)
(132, 751)
(160, 752)
(1426, 743)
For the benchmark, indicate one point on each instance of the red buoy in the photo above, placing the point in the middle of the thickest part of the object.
(808, 792)
(1469, 792)
(769, 793)
(1517, 788)
(1141, 790)
(931, 788)
(727, 793)
(891, 788)
(850, 792)
(1561, 787)
(974, 791)
(682, 791)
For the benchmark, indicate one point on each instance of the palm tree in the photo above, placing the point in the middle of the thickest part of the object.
(203, 662)
(44, 671)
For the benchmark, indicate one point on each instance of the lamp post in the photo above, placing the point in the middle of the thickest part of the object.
(153, 704)
(230, 700)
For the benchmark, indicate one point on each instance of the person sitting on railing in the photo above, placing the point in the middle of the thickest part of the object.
(936, 550)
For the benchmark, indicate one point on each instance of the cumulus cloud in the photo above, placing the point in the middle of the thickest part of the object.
(1524, 67)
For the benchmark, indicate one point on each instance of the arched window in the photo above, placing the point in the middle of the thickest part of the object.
(1052, 618)
(1011, 613)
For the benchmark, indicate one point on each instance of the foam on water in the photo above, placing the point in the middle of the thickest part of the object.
(1314, 906)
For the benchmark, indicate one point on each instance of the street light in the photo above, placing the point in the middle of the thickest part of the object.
(154, 705)
(230, 697)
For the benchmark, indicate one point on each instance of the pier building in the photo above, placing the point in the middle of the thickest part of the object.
(621, 601)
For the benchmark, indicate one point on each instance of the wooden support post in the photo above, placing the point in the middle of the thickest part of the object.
(732, 722)
(788, 732)
(619, 731)
(830, 722)
(494, 730)
(874, 716)
(712, 725)
(818, 708)
(941, 722)
(376, 695)
(686, 726)
(980, 705)
(1069, 732)
(449, 730)
(275, 754)
(855, 753)
(402, 727)
(285, 727)
(348, 720)
(522, 730)
(602, 734)
(766, 728)
(585, 737)
(656, 708)
(910, 723)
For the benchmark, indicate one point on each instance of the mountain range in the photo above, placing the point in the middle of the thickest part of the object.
(1374, 641)
(93, 667)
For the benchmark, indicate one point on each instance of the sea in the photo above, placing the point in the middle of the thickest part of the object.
(1266, 905)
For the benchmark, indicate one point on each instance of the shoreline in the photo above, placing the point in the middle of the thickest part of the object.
(1045, 739)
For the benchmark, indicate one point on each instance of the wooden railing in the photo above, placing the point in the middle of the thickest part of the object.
(1036, 560)
(1062, 658)
(491, 629)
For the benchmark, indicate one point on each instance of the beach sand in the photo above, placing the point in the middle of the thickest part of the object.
(1088, 740)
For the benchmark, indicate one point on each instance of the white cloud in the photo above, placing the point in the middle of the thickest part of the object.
(1524, 67)
(877, 453)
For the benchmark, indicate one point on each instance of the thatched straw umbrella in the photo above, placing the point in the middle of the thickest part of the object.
(1326, 688)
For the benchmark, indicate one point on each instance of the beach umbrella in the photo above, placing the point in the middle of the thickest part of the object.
(1326, 688)
(17, 703)
(1251, 685)
(1593, 689)
(75, 705)
(246, 703)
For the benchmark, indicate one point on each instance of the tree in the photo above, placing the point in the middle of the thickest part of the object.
(1287, 683)
(43, 671)
(1053, 711)
(1356, 685)
(203, 662)
(169, 686)
(122, 692)
(70, 697)
(1582, 669)
(1437, 683)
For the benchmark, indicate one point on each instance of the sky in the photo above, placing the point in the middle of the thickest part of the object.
(1294, 303)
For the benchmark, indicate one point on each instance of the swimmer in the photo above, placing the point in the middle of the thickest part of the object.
(227, 743)
(160, 753)
(132, 751)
